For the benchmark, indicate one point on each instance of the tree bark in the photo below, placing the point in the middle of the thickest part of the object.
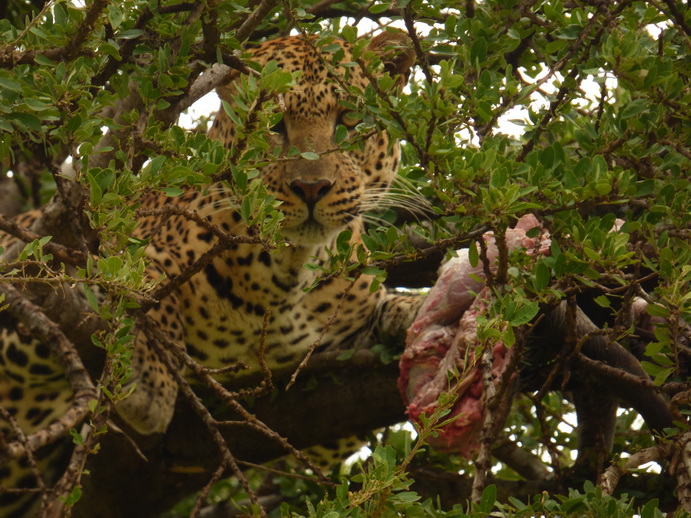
(321, 407)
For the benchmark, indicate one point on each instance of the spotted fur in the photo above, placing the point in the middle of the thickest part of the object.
(217, 315)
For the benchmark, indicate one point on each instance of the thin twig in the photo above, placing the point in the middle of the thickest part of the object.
(203, 494)
(229, 398)
(254, 19)
(419, 53)
(484, 457)
(31, 459)
(156, 340)
(326, 327)
(63, 253)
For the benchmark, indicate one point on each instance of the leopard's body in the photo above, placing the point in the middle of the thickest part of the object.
(218, 315)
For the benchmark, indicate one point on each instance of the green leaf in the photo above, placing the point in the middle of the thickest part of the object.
(115, 15)
(373, 270)
(95, 191)
(91, 298)
(488, 499)
(28, 120)
(130, 34)
(37, 105)
(473, 256)
(74, 496)
(162, 104)
(658, 373)
(76, 437)
(517, 503)
(341, 134)
(508, 337)
(379, 8)
(345, 355)
(349, 33)
(42, 60)
(603, 301)
(542, 276)
(592, 254)
(172, 191)
(651, 509)
(525, 314)
(634, 108)
(110, 49)
(10, 84)
(308, 155)
(343, 241)
(478, 51)
(657, 310)
(405, 497)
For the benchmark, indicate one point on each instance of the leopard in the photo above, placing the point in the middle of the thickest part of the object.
(246, 292)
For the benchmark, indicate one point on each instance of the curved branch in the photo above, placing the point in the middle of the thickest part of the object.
(44, 329)
(63, 253)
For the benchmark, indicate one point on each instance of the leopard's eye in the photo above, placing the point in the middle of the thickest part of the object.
(279, 127)
(348, 119)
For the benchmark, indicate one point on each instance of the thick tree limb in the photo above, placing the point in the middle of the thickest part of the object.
(327, 404)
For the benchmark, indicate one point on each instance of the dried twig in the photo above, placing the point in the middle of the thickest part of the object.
(260, 12)
(419, 53)
(158, 340)
(326, 327)
(63, 253)
(230, 399)
(203, 494)
(610, 478)
(22, 439)
(484, 456)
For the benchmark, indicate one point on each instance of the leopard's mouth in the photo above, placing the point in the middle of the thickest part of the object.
(310, 232)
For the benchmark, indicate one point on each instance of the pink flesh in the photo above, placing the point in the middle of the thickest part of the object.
(443, 338)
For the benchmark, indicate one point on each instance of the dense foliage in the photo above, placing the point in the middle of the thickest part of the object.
(577, 112)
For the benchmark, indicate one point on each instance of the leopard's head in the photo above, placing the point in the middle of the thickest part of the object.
(320, 196)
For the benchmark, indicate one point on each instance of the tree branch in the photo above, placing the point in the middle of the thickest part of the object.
(321, 407)
(65, 352)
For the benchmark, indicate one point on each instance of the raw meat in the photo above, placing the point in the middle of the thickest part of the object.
(440, 344)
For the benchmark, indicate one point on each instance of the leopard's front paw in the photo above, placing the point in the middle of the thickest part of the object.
(149, 408)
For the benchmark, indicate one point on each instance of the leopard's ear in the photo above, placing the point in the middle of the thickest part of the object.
(227, 89)
(395, 49)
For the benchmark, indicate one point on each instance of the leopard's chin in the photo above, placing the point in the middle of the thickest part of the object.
(311, 233)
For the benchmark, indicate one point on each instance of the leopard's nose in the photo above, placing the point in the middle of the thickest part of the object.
(310, 192)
